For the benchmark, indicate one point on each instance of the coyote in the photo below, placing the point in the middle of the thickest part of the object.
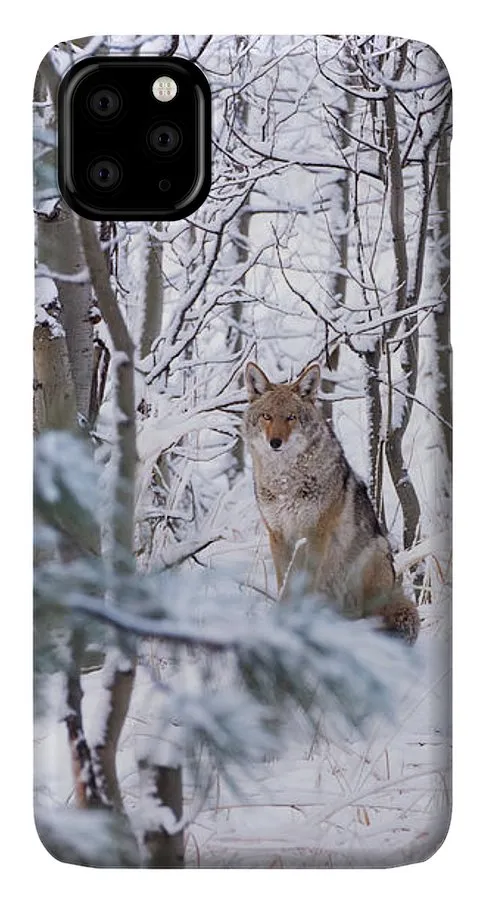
(321, 524)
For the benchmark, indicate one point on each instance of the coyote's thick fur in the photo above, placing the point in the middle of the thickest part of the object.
(321, 524)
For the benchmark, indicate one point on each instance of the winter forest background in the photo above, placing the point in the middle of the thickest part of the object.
(182, 716)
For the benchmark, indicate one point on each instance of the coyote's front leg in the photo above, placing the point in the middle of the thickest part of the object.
(281, 554)
(290, 561)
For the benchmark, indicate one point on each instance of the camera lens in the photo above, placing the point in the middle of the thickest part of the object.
(104, 103)
(164, 138)
(104, 174)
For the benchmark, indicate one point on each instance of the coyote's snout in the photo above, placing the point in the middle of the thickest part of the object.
(321, 523)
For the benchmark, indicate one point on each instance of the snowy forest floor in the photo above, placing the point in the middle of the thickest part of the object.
(330, 800)
(339, 801)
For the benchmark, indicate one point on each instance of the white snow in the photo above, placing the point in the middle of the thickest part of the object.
(332, 799)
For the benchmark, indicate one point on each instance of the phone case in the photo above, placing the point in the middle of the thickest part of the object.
(242, 475)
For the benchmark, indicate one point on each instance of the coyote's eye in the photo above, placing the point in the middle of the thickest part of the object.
(290, 418)
(266, 417)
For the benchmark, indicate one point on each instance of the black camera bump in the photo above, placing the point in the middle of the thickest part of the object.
(125, 153)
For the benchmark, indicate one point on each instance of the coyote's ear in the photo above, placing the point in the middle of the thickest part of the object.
(308, 383)
(256, 381)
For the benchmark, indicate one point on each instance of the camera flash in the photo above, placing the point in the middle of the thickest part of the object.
(164, 88)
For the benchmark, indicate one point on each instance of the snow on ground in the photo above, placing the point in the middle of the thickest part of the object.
(336, 799)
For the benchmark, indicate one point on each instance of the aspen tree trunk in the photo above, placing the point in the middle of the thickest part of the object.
(163, 846)
(235, 338)
(375, 417)
(62, 378)
(119, 669)
(240, 249)
(54, 395)
(442, 318)
(164, 783)
(62, 383)
(75, 265)
(339, 241)
(153, 306)
(394, 455)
